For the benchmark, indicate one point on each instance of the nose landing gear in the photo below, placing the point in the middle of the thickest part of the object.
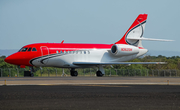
(31, 71)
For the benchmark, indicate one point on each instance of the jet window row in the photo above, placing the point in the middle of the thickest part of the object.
(27, 49)
(74, 52)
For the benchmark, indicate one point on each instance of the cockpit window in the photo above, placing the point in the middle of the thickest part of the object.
(34, 49)
(29, 49)
(24, 49)
(20, 49)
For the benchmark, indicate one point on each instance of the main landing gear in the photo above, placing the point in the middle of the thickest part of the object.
(73, 72)
(99, 73)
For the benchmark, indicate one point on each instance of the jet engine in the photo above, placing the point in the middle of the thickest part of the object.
(124, 50)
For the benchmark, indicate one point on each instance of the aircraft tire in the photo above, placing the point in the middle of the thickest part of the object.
(99, 74)
(74, 73)
(32, 75)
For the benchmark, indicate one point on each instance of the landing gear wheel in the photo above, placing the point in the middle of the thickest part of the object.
(99, 74)
(74, 73)
(32, 74)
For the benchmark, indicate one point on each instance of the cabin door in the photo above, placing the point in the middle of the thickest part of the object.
(44, 53)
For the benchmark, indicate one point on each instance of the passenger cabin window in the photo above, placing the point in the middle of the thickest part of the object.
(29, 49)
(24, 49)
(34, 49)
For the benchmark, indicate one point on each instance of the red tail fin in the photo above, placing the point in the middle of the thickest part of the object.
(135, 31)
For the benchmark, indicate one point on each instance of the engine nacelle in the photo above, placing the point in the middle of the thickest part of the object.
(123, 50)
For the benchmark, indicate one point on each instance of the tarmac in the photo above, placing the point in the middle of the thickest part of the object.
(89, 80)
(90, 93)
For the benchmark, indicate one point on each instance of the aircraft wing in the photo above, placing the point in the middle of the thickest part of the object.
(112, 63)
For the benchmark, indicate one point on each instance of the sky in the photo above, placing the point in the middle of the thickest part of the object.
(25, 22)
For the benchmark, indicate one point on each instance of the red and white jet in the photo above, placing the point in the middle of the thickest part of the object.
(75, 55)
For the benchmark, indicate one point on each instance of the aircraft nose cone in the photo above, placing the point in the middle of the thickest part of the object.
(13, 59)
(9, 59)
(17, 59)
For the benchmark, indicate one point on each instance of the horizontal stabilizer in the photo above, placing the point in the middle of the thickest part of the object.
(142, 38)
(112, 63)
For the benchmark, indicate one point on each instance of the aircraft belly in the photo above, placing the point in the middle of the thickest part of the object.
(60, 61)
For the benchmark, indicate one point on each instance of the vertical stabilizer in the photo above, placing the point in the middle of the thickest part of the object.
(135, 32)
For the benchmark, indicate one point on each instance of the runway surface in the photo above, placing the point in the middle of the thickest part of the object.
(101, 93)
(89, 80)
(90, 97)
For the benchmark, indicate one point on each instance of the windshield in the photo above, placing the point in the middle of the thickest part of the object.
(24, 49)
(20, 49)
(29, 49)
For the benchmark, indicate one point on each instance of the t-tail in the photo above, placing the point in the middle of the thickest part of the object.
(134, 34)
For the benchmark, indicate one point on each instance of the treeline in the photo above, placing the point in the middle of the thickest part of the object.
(172, 63)
(3, 64)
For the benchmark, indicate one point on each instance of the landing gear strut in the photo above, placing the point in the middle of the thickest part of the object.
(73, 72)
(31, 71)
(99, 74)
